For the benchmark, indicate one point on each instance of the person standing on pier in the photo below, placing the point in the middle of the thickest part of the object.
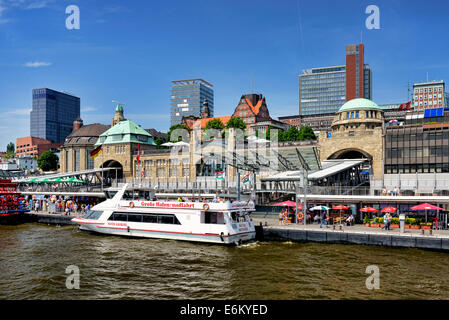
(324, 219)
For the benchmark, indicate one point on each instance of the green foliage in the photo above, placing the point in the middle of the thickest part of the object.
(160, 141)
(9, 155)
(394, 220)
(215, 124)
(10, 148)
(236, 122)
(174, 127)
(293, 134)
(366, 218)
(48, 161)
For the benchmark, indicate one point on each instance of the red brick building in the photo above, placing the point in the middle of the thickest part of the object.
(252, 109)
(34, 146)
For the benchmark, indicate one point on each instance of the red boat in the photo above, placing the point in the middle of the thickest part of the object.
(12, 204)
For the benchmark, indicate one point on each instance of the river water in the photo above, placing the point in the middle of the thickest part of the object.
(34, 258)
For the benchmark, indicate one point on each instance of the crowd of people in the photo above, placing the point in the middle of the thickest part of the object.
(65, 206)
(394, 192)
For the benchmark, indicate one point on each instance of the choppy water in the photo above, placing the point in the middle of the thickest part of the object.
(33, 260)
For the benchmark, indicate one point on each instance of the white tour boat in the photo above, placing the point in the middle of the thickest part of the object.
(130, 212)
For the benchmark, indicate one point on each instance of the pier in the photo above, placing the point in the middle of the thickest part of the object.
(50, 218)
(270, 230)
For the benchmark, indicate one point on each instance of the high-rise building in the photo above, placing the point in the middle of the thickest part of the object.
(429, 95)
(187, 98)
(324, 90)
(358, 74)
(53, 114)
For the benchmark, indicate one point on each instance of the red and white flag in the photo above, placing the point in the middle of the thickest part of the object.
(405, 106)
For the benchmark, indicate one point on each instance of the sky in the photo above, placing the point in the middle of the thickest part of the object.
(130, 51)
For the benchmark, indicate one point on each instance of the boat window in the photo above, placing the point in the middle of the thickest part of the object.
(118, 217)
(212, 217)
(134, 217)
(93, 215)
(148, 218)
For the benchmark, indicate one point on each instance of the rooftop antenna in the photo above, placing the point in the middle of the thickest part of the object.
(427, 77)
(408, 91)
(361, 36)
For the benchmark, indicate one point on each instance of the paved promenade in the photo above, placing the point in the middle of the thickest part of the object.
(358, 228)
(358, 234)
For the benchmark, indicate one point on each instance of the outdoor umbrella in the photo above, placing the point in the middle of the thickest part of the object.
(389, 209)
(426, 206)
(168, 144)
(288, 204)
(341, 208)
(181, 144)
(319, 208)
(368, 209)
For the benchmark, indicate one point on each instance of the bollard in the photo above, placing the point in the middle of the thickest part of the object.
(422, 231)
(341, 228)
(334, 226)
(266, 224)
(430, 231)
(260, 223)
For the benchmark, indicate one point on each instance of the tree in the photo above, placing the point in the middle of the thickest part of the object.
(215, 124)
(237, 123)
(158, 142)
(10, 148)
(175, 127)
(306, 133)
(48, 161)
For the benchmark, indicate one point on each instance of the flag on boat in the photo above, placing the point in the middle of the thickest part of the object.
(245, 178)
(95, 152)
(219, 175)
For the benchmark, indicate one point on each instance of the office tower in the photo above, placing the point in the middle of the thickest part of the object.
(324, 90)
(187, 98)
(53, 114)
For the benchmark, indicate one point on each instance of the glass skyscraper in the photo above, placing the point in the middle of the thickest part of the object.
(187, 97)
(325, 90)
(53, 114)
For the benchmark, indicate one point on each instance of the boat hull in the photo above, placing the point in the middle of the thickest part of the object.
(13, 218)
(172, 235)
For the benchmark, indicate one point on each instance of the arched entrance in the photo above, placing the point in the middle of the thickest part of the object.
(350, 154)
(115, 173)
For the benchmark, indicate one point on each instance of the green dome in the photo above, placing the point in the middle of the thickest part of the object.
(119, 108)
(359, 104)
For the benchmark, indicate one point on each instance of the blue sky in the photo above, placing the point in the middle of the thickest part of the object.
(131, 50)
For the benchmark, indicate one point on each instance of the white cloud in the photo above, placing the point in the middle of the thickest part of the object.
(37, 64)
(88, 109)
(36, 5)
(20, 112)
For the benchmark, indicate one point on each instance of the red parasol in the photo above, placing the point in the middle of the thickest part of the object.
(389, 209)
(340, 207)
(426, 206)
(369, 209)
(288, 204)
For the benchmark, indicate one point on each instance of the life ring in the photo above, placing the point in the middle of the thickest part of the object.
(205, 206)
(300, 215)
(131, 204)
